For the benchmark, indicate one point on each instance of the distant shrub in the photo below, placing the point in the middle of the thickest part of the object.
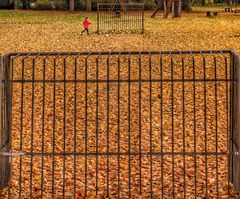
(32, 5)
(18, 4)
(43, 5)
(6, 4)
(149, 5)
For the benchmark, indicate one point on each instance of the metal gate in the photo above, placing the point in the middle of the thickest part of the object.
(118, 18)
(120, 125)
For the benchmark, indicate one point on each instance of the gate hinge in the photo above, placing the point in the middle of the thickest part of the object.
(12, 154)
(236, 153)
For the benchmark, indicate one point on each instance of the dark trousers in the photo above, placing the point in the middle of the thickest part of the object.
(85, 30)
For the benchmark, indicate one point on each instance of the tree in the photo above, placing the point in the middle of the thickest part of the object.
(71, 5)
(89, 5)
(24, 4)
(187, 5)
(160, 6)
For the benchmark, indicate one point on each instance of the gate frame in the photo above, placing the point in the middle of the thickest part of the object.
(235, 118)
(125, 4)
(5, 136)
(5, 111)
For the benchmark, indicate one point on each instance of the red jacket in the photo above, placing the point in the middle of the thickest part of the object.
(86, 23)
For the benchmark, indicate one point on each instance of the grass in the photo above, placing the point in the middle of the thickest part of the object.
(60, 31)
(37, 16)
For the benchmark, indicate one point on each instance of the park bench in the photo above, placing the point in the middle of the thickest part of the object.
(228, 9)
(214, 14)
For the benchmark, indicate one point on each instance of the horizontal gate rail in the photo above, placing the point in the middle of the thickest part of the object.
(118, 53)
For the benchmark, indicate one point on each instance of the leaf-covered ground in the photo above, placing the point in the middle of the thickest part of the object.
(57, 31)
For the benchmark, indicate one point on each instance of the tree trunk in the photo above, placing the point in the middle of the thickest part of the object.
(187, 6)
(159, 7)
(89, 5)
(71, 5)
(24, 4)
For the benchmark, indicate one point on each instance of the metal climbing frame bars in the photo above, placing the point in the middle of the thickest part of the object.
(120, 18)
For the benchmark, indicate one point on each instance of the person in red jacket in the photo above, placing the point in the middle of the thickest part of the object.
(86, 23)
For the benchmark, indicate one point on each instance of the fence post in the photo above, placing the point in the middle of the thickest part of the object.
(235, 135)
(5, 166)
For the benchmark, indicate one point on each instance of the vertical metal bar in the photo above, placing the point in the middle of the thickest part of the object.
(232, 64)
(54, 126)
(140, 122)
(119, 185)
(43, 124)
(205, 126)
(108, 98)
(129, 126)
(21, 130)
(64, 124)
(5, 114)
(75, 124)
(161, 115)
(150, 117)
(97, 87)
(86, 123)
(98, 18)
(108, 20)
(142, 18)
(2, 135)
(115, 22)
(136, 19)
(133, 11)
(10, 125)
(102, 19)
(129, 24)
(216, 124)
(236, 135)
(227, 121)
(9, 114)
(32, 126)
(194, 130)
(173, 154)
(183, 126)
(139, 21)
(134, 15)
